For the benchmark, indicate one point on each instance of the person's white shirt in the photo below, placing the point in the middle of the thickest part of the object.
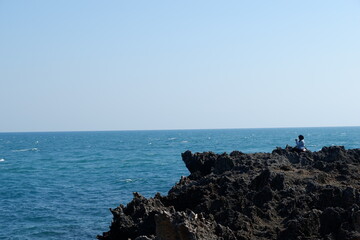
(300, 144)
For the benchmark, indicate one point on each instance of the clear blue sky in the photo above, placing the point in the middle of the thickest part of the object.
(125, 65)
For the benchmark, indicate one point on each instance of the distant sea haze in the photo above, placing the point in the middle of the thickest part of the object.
(61, 185)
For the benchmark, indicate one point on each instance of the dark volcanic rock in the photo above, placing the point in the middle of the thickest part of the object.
(280, 195)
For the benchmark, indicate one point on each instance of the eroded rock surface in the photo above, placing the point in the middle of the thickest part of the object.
(280, 195)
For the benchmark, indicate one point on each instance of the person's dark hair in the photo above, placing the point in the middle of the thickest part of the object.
(301, 137)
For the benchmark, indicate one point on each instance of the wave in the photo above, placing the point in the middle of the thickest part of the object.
(26, 150)
(129, 180)
(2, 160)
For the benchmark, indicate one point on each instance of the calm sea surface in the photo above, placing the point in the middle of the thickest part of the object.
(61, 185)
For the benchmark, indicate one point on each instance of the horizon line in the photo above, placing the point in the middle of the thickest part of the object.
(174, 129)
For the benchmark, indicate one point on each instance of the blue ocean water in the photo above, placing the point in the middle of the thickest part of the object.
(60, 185)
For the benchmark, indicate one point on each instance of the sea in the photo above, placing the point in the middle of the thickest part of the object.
(60, 185)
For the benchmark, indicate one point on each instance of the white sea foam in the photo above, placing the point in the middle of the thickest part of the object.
(2, 160)
(26, 150)
(128, 180)
(311, 145)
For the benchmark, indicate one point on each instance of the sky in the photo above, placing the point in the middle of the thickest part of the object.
(145, 65)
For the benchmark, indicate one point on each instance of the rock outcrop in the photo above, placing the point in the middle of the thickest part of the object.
(280, 195)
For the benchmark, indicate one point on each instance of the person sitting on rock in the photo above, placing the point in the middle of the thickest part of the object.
(300, 144)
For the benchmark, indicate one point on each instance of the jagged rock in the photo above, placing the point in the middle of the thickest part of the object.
(145, 238)
(279, 195)
(183, 226)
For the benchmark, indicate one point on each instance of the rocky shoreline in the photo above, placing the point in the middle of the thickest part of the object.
(279, 195)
